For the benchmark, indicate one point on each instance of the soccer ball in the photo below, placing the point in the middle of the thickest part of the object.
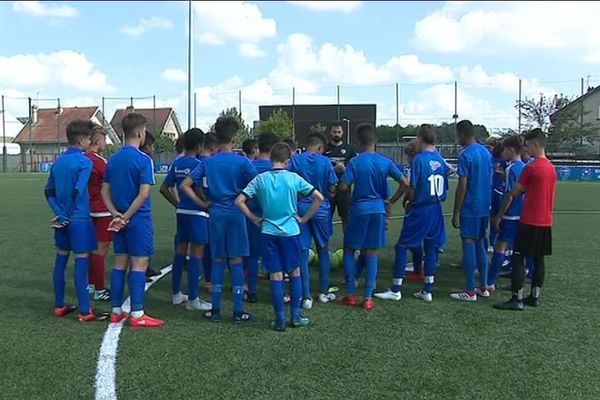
(336, 258)
(312, 258)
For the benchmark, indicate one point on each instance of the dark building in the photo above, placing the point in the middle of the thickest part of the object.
(306, 115)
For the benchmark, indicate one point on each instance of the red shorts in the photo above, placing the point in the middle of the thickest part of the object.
(101, 227)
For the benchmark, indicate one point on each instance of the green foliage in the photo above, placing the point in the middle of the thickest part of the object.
(110, 149)
(279, 123)
(318, 128)
(244, 132)
(445, 132)
(163, 143)
(569, 127)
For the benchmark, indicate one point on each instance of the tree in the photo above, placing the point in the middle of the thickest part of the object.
(244, 132)
(568, 127)
(163, 143)
(318, 128)
(536, 113)
(278, 123)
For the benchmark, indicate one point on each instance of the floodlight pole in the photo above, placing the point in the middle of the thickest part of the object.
(519, 107)
(195, 110)
(189, 64)
(293, 113)
(58, 126)
(30, 138)
(3, 137)
(397, 113)
(455, 116)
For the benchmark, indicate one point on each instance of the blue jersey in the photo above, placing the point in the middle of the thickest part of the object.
(67, 186)
(126, 171)
(429, 178)
(317, 170)
(226, 175)
(475, 164)
(498, 182)
(178, 171)
(277, 192)
(513, 172)
(369, 172)
(261, 165)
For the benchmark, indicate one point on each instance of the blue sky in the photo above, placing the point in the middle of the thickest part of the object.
(81, 51)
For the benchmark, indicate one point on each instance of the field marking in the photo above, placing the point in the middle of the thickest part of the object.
(106, 369)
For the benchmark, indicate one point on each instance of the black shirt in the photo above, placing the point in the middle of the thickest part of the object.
(342, 153)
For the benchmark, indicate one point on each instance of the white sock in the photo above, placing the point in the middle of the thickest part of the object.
(117, 310)
(137, 314)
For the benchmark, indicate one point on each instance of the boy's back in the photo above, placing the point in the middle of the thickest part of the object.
(475, 163)
(180, 169)
(316, 169)
(71, 172)
(429, 178)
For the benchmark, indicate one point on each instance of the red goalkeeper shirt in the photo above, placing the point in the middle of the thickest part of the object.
(539, 179)
(97, 207)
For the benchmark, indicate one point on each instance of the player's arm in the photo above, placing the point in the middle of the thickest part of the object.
(106, 194)
(50, 194)
(347, 179)
(187, 187)
(314, 206)
(167, 192)
(81, 183)
(459, 199)
(241, 201)
(139, 200)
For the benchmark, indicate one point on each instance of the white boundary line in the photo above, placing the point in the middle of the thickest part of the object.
(106, 369)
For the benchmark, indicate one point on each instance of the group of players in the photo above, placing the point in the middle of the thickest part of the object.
(271, 204)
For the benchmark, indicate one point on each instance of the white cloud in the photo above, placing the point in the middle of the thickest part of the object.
(174, 75)
(251, 50)
(45, 9)
(146, 24)
(507, 82)
(337, 6)
(65, 68)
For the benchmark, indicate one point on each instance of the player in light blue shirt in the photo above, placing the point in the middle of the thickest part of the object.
(277, 192)
(226, 175)
(317, 170)
(368, 173)
(472, 209)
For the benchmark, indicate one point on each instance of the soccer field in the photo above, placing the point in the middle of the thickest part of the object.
(405, 350)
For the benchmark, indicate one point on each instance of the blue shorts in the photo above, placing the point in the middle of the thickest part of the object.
(136, 239)
(280, 253)
(365, 231)
(423, 223)
(473, 227)
(228, 235)
(254, 239)
(497, 200)
(508, 230)
(192, 229)
(79, 236)
(319, 228)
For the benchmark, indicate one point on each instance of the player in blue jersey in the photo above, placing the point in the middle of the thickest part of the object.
(192, 224)
(126, 193)
(277, 192)
(226, 175)
(424, 220)
(208, 149)
(262, 163)
(317, 170)
(250, 149)
(508, 216)
(498, 184)
(368, 172)
(472, 209)
(66, 192)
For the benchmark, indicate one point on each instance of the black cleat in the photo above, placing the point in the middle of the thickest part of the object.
(512, 304)
(150, 273)
(532, 301)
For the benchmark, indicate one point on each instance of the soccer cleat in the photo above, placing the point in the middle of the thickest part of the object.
(513, 304)
(198, 305)
(300, 322)
(410, 267)
(250, 298)
(368, 304)
(490, 249)
(333, 289)
(102, 295)
(241, 317)
(349, 300)
(307, 303)
(145, 321)
(286, 298)
(425, 296)
(483, 292)
(326, 298)
(389, 295)
(92, 316)
(464, 296)
(64, 310)
(179, 298)
(213, 315)
(151, 273)
(415, 277)
(278, 326)
(532, 301)
(116, 318)
(91, 289)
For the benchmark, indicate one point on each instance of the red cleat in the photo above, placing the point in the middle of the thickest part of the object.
(92, 316)
(64, 310)
(116, 318)
(349, 300)
(368, 304)
(145, 321)
(415, 277)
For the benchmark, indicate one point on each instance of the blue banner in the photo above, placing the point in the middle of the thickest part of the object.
(583, 173)
(45, 166)
(161, 168)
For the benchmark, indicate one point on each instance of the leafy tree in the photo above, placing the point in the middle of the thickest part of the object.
(163, 143)
(535, 113)
(569, 127)
(279, 123)
(244, 132)
(318, 128)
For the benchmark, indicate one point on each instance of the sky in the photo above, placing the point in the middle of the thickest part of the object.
(83, 51)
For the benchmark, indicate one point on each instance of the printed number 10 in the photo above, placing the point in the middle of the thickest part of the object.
(436, 185)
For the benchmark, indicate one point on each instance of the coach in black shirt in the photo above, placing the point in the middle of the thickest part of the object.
(339, 154)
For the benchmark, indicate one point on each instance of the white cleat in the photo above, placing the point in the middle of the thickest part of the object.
(464, 296)
(179, 299)
(483, 293)
(425, 296)
(326, 298)
(307, 303)
(198, 305)
(389, 295)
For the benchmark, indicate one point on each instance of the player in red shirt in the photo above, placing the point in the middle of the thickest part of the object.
(534, 235)
(101, 217)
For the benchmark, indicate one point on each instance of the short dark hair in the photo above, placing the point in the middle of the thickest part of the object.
(179, 146)
(427, 134)
(413, 147)
(210, 141)
(249, 145)
(280, 152)
(149, 140)
(225, 129)
(78, 129)
(291, 144)
(465, 128)
(266, 141)
(315, 139)
(335, 124)
(497, 150)
(192, 139)
(537, 135)
(366, 134)
(513, 142)
(131, 122)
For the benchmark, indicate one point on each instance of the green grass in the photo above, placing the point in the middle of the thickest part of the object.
(443, 350)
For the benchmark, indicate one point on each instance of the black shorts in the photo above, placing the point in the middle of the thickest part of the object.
(341, 201)
(533, 241)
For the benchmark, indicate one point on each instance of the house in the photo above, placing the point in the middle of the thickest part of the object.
(47, 130)
(158, 121)
(10, 128)
(583, 110)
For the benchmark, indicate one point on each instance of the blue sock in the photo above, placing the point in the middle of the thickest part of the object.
(295, 296)
(349, 271)
(497, 261)
(305, 274)
(417, 257)
(193, 277)
(58, 279)
(177, 272)
(237, 279)
(469, 264)
(324, 269)
(137, 285)
(431, 260)
(399, 268)
(529, 264)
(277, 300)
(371, 279)
(218, 270)
(482, 263)
(252, 278)
(207, 263)
(80, 277)
(117, 284)
(360, 265)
